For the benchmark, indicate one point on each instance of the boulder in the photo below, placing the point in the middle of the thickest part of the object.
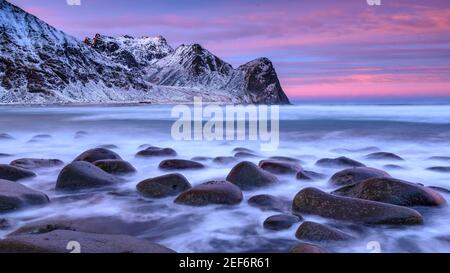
(66, 241)
(83, 175)
(34, 163)
(247, 176)
(244, 155)
(384, 156)
(280, 221)
(163, 186)
(156, 151)
(309, 175)
(213, 192)
(15, 196)
(96, 154)
(308, 248)
(12, 173)
(115, 166)
(317, 202)
(224, 159)
(286, 158)
(280, 167)
(355, 175)
(180, 164)
(267, 202)
(311, 231)
(108, 146)
(339, 162)
(392, 191)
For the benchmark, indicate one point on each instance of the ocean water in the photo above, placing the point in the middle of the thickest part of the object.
(307, 132)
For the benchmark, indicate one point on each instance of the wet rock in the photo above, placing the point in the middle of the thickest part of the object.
(180, 164)
(286, 158)
(213, 192)
(201, 158)
(81, 134)
(311, 231)
(441, 169)
(15, 196)
(115, 166)
(57, 242)
(83, 175)
(280, 167)
(308, 248)
(384, 156)
(163, 186)
(392, 191)
(4, 136)
(108, 146)
(224, 159)
(35, 163)
(247, 176)
(267, 202)
(244, 155)
(309, 175)
(92, 224)
(280, 221)
(156, 151)
(242, 149)
(12, 173)
(356, 175)
(317, 202)
(339, 162)
(96, 154)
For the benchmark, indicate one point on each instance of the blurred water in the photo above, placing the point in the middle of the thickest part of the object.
(309, 132)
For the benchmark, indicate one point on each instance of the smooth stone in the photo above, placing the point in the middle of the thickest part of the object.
(115, 166)
(163, 186)
(15, 196)
(91, 224)
(4, 136)
(12, 173)
(339, 162)
(308, 248)
(384, 156)
(35, 163)
(83, 175)
(144, 146)
(224, 160)
(180, 164)
(440, 158)
(57, 242)
(244, 155)
(267, 202)
(309, 175)
(286, 158)
(393, 167)
(311, 231)
(356, 175)
(201, 158)
(392, 191)
(247, 176)
(96, 154)
(280, 221)
(242, 149)
(108, 146)
(156, 151)
(213, 192)
(441, 169)
(280, 167)
(5, 155)
(316, 202)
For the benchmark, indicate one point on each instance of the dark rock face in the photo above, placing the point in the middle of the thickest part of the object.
(392, 191)
(12, 173)
(339, 162)
(315, 201)
(163, 186)
(309, 175)
(308, 248)
(441, 169)
(356, 175)
(156, 151)
(34, 163)
(384, 156)
(247, 176)
(311, 231)
(213, 192)
(115, 166)
(267, 202)
(280, 221)
(280, 167)
(180, 164)
(57, 242)
(83, 175)
(16, 196)
(97, 154)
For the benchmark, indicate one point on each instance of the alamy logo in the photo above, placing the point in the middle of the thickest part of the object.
(231, 122)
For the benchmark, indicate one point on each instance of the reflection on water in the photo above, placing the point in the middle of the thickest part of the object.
(307, 132)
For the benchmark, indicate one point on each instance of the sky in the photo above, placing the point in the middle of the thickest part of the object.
(330, 49)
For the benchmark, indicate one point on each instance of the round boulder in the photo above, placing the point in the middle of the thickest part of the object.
(115, 166)
(163, 186)
(384, 156)
(266, 202)
(311, 231)
(34, 163)
(180, 164)
(247, 176)
(156, 151)
(16, 196)
(355, 175)
(213, 192)
(96, 154)
(280, 221)
(339, 162)
(280, 167)
(12, 173)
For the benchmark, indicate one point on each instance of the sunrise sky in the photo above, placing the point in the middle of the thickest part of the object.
(321, 48)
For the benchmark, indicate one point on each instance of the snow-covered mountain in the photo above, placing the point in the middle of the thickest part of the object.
(40, 64)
